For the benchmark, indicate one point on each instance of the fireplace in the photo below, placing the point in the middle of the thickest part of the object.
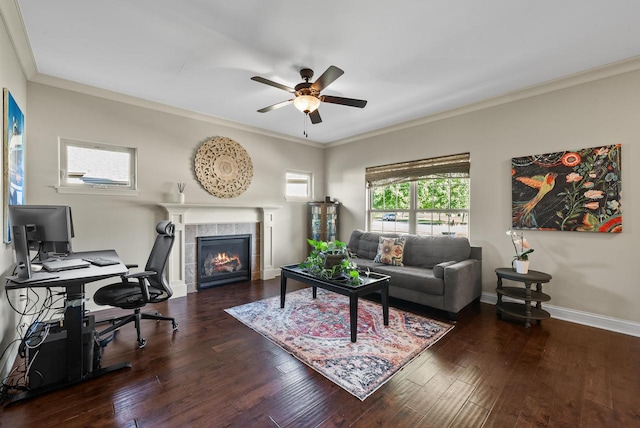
(223, 259)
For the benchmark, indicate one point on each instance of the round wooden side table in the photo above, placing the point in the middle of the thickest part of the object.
(522, 310)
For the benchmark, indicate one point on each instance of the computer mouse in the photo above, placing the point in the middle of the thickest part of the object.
(36, 268)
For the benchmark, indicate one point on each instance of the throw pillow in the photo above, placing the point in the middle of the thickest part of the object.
(390, 251)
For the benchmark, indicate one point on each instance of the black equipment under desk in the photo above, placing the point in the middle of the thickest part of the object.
(74, 281)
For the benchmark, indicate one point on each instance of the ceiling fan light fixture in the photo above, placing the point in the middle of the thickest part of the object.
(306, 103)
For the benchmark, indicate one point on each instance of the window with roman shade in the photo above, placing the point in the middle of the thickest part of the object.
(425, 197)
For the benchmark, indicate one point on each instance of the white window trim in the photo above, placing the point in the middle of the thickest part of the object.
(97, 189)
(310, 187)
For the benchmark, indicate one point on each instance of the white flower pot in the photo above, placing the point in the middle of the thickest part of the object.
(181, 198)
(522, 266)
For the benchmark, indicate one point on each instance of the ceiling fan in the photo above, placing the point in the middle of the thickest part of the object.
(307, 95)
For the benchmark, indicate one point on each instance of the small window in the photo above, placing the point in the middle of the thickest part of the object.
(96, 168)
(298, 186)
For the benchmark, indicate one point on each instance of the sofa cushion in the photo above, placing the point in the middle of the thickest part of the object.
(390, 251)
(438, 270)
(428, 251)
(413, 278)
(365, 244)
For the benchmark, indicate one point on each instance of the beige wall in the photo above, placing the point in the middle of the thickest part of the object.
(12, 78)
(592, 273)
(166, 144)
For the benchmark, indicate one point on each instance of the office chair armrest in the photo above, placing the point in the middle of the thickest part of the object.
(142, 280)
(131, 266)
(143, 274)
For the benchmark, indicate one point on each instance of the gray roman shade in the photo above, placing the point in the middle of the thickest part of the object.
(417, 170)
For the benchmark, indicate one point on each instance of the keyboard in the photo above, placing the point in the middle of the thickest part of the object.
(58, 265)
(100, 261)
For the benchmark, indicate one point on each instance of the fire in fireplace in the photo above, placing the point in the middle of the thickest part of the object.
(223, 260)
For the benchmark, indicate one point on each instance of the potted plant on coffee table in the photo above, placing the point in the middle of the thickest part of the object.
(331, 260)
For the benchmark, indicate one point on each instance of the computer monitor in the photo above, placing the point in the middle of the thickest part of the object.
(49, 228)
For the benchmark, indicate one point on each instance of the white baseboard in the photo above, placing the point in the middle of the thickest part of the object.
(579, 317)
(269, 273)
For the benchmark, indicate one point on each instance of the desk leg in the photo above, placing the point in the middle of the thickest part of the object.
(283, 288)
(73, 322)
(353, 316)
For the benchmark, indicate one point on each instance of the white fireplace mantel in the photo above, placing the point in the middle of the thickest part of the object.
(185, 214)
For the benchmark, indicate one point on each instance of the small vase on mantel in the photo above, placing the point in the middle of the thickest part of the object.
(181, 187)
(521, 266)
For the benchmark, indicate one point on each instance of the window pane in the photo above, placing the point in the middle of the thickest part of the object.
(433, 193)
(425, 223)
(98, 166)
(391, 221)
(95, 168)
(460, 193)
(394, 196)
(298, 185)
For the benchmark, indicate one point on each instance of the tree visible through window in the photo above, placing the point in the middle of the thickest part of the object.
(420, 197)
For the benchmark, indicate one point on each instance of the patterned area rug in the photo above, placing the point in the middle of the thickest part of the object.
(317, 332)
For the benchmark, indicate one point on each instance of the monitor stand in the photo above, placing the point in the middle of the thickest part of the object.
(21, 246)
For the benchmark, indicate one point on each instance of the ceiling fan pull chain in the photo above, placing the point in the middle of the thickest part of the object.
(304, 121)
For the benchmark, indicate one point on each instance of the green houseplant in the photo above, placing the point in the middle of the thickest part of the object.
(331, 260)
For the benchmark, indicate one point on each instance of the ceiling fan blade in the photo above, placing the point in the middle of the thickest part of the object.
(315, 117)
(275, 106)
(331, 74)
(272, 83)
(351, 102)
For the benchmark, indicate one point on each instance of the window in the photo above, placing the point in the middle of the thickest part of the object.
(96, 168)
(298, 186)
(425, 197)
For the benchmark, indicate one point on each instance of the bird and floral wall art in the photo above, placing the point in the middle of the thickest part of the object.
(576, 190)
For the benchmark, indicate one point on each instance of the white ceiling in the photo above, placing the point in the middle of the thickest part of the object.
(409, 59)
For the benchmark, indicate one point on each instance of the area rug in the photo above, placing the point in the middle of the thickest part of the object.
(317, 332)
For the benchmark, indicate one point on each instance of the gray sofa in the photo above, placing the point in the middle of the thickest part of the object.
(442, 272)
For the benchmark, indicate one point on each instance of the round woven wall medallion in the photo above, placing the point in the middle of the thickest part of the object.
(223, 167)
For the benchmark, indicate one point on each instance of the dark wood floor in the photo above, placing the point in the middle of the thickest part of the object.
(216, 372)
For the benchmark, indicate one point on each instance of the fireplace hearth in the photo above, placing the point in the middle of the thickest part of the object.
(223, 260)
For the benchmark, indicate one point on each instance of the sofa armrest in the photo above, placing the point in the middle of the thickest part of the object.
(438, 270)
(462, 284)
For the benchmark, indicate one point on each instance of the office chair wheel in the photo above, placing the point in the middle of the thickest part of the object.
(142, 343)
(175, 325)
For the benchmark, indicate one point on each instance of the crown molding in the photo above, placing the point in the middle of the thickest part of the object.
(165, 108)
(576, 79)
(14, 23)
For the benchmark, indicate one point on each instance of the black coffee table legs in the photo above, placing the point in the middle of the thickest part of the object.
(382, 286)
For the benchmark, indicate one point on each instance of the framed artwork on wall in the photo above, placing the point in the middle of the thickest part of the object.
(13, 155)
(577, 190)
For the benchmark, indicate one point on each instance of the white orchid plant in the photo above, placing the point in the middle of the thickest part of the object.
(520, 245)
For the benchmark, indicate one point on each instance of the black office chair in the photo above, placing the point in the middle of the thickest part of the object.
(138, 289)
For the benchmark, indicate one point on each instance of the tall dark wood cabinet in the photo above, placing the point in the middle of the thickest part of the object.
(323, 221)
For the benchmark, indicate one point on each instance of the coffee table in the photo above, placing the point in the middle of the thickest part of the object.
(371, 283)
